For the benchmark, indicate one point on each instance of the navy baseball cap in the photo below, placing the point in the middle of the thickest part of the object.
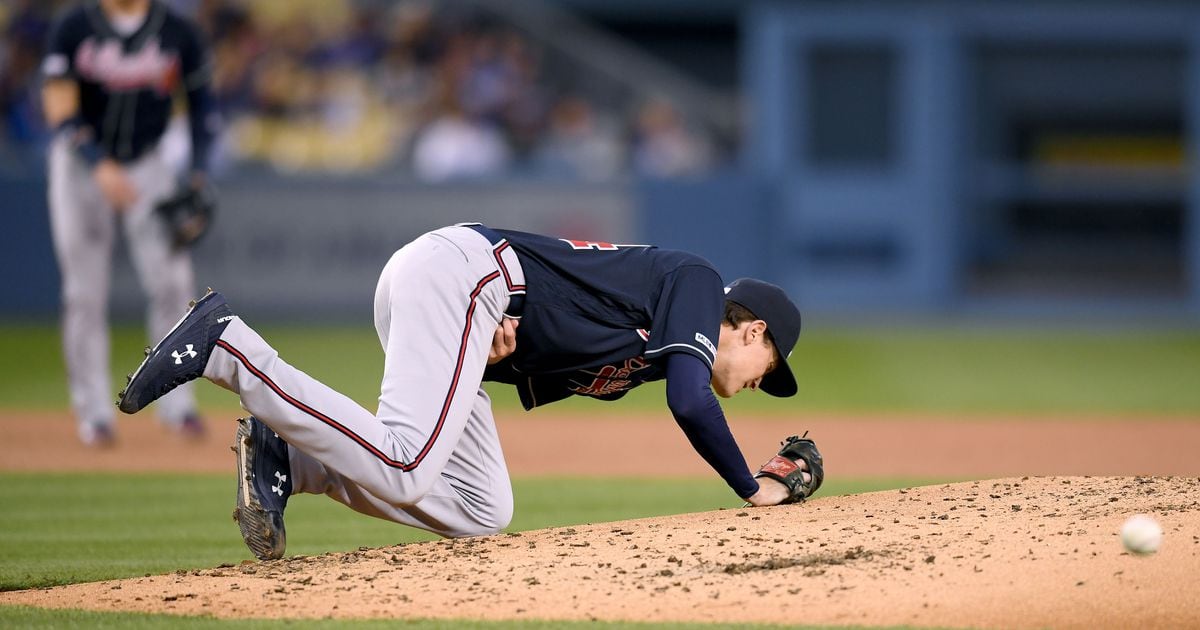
(770, 304)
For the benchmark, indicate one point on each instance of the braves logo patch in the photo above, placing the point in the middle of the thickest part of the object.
(611, 379)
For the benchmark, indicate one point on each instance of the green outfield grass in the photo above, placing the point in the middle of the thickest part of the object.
(24, 617)
(911, 369)
(66, 528)
(69, 528)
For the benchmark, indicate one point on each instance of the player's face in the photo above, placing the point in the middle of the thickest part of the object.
(744, 356)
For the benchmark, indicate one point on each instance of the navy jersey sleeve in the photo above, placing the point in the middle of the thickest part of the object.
(687, 316)
(196, 68)
(698, 413)
(65, 36)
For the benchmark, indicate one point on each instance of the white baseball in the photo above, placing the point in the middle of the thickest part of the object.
(1141, 535)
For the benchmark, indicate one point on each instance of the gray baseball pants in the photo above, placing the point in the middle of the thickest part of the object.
(429, 457)
(83, 226)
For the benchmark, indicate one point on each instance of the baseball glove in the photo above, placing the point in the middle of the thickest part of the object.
(785, 469)
(187, 213)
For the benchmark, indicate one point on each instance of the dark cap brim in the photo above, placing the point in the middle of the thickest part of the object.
(780, 381)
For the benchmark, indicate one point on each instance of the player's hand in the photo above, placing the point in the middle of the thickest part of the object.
(115, 184)
(504, 341)
(771, 492)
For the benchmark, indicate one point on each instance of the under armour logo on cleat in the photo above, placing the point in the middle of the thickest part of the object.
(189, 353)
(282, 480)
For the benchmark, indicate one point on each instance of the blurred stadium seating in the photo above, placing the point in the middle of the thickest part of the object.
(927, 156)
(442, 90)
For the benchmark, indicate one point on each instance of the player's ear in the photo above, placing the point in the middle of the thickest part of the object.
(755, 331)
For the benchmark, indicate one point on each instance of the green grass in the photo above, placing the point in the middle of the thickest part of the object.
(1123, 370)
(1002, 370)
(66, 528)
(25, 617)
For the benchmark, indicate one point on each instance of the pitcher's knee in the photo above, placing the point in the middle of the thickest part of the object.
(502, 515)
(484, 527)
(474, 530)
(494, 517)
(485, 520)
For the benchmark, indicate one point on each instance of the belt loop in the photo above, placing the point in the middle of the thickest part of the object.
(516, 305)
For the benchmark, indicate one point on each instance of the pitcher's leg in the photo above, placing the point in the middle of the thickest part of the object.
(472, 498)
(478, 476)
(437, 342)
(83, 228)
(433, 370)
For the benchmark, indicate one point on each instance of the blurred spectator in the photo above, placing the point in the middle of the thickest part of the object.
(663, 146)
(577, 144)
(237, 45)
(25, 31)
(456, 146)
(525, 113)
(360, 85)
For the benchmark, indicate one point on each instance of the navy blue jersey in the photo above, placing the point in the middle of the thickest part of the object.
(126, 83)
(600, 318)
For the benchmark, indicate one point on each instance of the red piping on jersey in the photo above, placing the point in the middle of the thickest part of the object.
(500, 261)
(462, 351)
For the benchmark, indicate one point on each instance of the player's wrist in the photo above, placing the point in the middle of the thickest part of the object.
(770, 492)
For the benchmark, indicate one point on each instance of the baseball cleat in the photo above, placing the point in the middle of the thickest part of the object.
(264, 485)
(181, 355)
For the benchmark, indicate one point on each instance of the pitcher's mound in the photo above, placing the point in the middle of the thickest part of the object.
(1016, 553)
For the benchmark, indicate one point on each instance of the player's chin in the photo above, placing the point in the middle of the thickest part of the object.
(724, 391)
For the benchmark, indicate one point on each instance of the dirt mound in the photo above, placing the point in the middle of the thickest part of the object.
(1028, 552)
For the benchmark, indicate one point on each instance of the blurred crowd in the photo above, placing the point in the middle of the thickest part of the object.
(437, 90)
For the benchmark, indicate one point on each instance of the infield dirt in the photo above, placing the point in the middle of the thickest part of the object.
(1016, 552)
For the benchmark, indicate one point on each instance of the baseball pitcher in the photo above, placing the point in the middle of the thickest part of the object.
(464, 304)
(111, 72)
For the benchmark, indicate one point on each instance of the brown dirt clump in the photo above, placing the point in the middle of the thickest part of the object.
(1015, 553)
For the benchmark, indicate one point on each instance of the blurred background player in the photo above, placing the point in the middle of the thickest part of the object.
(112, 69)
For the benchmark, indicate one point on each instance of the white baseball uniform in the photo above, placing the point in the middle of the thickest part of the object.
(429, 456)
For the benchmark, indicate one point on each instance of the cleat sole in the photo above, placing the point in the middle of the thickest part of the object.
(258, 526)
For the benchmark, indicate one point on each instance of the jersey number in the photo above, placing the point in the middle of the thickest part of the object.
(597, 245)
